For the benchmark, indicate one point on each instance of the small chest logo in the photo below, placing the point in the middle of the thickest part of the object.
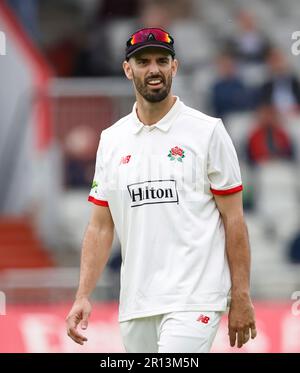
(204, 319)
(176, 154)
(125, 160)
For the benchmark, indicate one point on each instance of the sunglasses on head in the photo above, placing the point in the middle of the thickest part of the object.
(150, 34)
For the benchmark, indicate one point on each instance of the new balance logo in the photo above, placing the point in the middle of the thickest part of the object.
(125, 160)
(204, 319)
(152, 192)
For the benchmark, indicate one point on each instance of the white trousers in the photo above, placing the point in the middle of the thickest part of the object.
(175, 332)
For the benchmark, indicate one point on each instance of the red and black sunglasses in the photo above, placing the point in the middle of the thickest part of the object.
(150, 35)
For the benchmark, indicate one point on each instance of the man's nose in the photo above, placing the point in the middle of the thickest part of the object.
(153, 68)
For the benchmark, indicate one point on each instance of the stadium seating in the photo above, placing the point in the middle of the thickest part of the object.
(20, 247)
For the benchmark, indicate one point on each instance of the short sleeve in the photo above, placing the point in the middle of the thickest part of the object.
(97, 194)
(223, 167)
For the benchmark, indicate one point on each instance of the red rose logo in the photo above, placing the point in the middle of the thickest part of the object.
(176, 153)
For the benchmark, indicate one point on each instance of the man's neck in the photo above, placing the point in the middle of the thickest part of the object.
(150, 113)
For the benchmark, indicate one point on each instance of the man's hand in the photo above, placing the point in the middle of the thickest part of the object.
(241, 320)
(80, 312)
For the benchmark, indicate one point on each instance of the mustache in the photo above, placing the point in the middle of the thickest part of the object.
(153, 77)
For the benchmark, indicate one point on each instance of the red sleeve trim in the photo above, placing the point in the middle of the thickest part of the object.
(98, 201)
(227, 191)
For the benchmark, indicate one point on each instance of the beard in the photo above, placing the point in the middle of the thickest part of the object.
(151, 94)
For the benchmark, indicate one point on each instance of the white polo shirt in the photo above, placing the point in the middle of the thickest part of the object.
(158, 182)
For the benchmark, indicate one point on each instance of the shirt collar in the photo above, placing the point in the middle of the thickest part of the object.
(164, 124)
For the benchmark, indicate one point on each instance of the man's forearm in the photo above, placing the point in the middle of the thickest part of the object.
(238, 254)
(241, 318)
(95, 253)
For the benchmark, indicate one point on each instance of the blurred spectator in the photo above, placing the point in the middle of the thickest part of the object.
(63, 28)
(109, 9)
(180, 9)
(294, 249)
(62, 56)
(269, 140)
(229, 94)
(154, 14)
(248, 45)
(80, 149)
(283, 88)
(161, 13)
(94, 58)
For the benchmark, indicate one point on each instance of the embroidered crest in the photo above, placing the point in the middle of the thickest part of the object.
(176, 153)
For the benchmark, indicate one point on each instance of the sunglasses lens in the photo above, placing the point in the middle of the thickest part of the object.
(144, 35)
(137, 38)
(162, 36)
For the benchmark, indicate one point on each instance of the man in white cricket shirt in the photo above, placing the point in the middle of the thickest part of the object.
(167, 179)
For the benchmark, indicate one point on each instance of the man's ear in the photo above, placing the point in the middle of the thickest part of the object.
(127, 70)
(174, 67)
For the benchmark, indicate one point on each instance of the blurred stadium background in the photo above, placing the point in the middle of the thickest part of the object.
(62, 83)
